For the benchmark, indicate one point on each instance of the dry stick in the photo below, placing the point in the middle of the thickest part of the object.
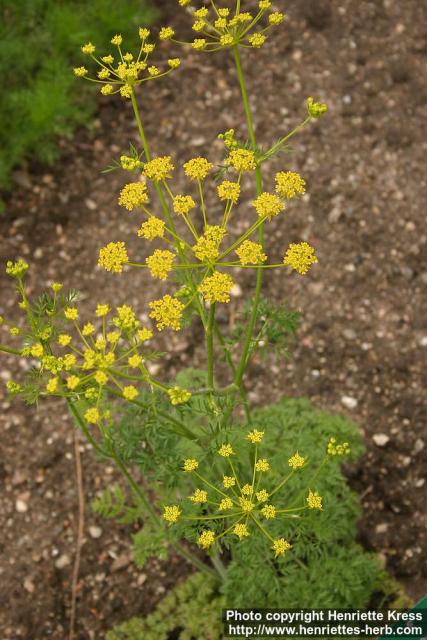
(80, 532)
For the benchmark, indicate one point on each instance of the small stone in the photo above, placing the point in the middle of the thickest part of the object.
(91, 204)
(29, 585)
(423, 341)
(349, 334)
(21, 506)
(381, 528)
(349, 402)
(121, 562)
(95, 532)
(236, 290)
(380, 439)
(63, 561)
(419, 446)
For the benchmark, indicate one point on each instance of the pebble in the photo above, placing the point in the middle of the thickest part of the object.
(349, 402)
(423, 341)
(349, 334)
(29, 585)
(380, 439)
(95, 532)
(381, 528)
(21, 505)
(419, 446)
(63, 561)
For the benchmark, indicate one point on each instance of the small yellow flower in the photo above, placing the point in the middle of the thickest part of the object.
(190, 464)
(262, 496)
(52, 385)
(104, 74)
(246, 505)
(80, 72)
(153, 228)
(242, 160)
(102, 310)
(88, 48)
(88, 329)
(300, 257)
(199, 44)
(229, 191)
(73, 382)
(113, 256)
(228, 482)
(200, 496)
(71, 313)
(262, 465)
(108, 59)
(117, 40)
(107, 89)
(216, 288)
(276, 18)
(289, 184)
(167, 312)
(206, 539)
(130, 392)
(160, 263)
(226, 40)
(14, 331)
(280, 546)
(197, 168)
(144, 334)
(144, 33)
(247, 490)
(37, 350)
(171, 514)
(159, 168)
(257, 39)
(296, 461)
(64, 340)
(166, 33)
(250, 253)
(226, 450)
(183, 204)
(125, 90)
(113, 337)
(133, 195)
(269, 511)
(268, 205)
(174, 63)
(56, 287)
(69, 361)
(17, 269)
(92, 416)
(101, 378)
(255, 436)
(314, 501)
(316, 109)
(241, 531)
(264, 4)
(178, 395)
(153, 71)
(134, 361)
(225, 504)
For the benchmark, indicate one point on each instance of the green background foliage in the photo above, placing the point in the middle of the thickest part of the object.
(39, 45)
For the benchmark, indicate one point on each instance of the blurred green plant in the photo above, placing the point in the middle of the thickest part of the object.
(38, 39)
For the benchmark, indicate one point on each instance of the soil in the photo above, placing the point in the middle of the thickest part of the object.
(361, 346)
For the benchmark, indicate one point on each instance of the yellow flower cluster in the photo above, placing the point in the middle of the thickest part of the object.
(197, 168)
(216, 288)
(160, 263)
(207, 247)
(289, 184)
(129, 70)
(178, 395)
(250, 253)
(229, 191)
(159, 169)
(113, 257)
(268, 205)
(335, 449)
(300, 257)
(242, 160)
(183, 204)
(167, 312)
(223, 28)
(133, 195)
(153, 228)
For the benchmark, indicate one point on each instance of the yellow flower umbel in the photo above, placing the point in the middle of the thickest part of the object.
(153, 228)
(126, 70)
(113, 257)
(167, 312)
(314, 501)
(289, 184)
(171, 514)
(133, 195)
(190, 465)
(178, 395)
(217, 287)
(242, 160)
(300, 257)
(250, 253)
(223, 29)
(296, 461)
(280, 546)
(268, 205)
(159, 169)
(206, 539)
(197, 168)
(160, 263)
(335, 449)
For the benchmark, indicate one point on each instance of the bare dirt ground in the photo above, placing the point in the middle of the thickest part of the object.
(363, 339)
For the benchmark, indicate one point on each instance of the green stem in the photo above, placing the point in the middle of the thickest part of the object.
(209, 343)
(4, 349)
(252, 321)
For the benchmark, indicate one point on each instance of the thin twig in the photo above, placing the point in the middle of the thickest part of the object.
(80, 532)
